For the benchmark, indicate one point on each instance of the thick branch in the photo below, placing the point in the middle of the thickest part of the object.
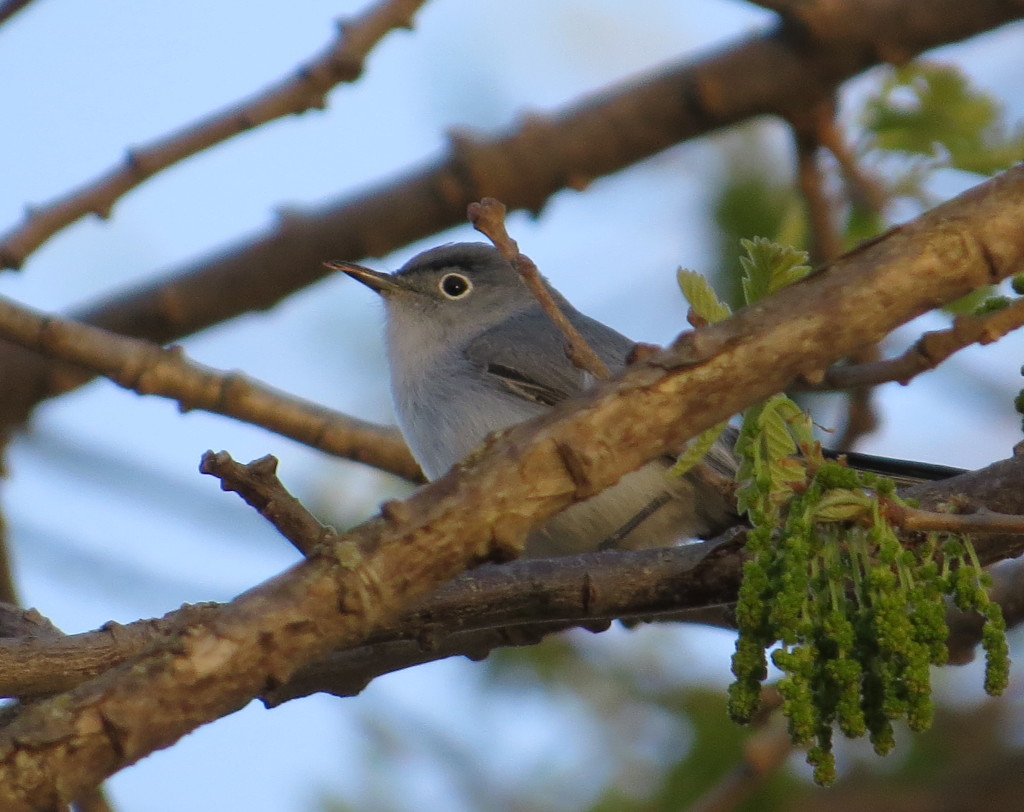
(35, 662)
(15, 622)
(305, 89)
(514, 604)
(564, 591)
(775, 73)
(484, 508)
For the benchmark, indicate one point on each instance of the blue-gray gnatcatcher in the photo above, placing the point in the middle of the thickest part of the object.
(471, 352)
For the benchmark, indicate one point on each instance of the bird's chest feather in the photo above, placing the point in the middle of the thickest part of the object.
(447, 412)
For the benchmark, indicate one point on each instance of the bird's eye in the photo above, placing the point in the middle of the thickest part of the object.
(455, 285)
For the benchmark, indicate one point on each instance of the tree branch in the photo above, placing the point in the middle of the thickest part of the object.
(492, 606)
(148, 369)
(472, 614)
(9, 8)
(305, 89)
(861, 186)
(826, 241)
(258, 485)
(768, 73)
(928, 351)
(484, 508)
(8, 590)
(965, 628)
(35, 663)
(15, 622)
(764, 752)
(979, 522)
(813, 129)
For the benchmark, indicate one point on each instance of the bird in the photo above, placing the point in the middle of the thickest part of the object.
(471, 352)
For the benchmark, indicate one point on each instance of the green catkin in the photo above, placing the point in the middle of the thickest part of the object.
(858, 618)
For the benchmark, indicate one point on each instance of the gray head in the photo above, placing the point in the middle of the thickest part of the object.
(445, 296)
(458, 286)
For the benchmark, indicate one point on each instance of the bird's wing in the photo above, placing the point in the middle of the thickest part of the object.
(534, 365)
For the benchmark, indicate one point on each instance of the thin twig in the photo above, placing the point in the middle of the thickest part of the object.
(861, 415)
(862, 185)
(915, 520)
(257, 483)
(8, 588)
(488, 217)
(930, 350)
(11, 7)
(812, 130)
(304, 89)
(764, 753)
(826, 243)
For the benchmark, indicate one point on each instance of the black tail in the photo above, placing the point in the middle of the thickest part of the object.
(903, 470)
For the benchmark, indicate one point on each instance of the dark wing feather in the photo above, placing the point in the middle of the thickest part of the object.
(534, 365)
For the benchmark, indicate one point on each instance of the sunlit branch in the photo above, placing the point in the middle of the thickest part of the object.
(148, 369)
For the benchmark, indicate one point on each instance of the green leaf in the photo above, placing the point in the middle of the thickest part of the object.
(697, 450)
(842, 505)
(769, 267)
(702, 296)
(768, 442)
(923, 106)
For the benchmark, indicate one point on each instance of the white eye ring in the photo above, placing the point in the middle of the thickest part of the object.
(454, 285)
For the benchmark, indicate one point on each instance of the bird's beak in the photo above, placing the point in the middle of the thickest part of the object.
(383, 283)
